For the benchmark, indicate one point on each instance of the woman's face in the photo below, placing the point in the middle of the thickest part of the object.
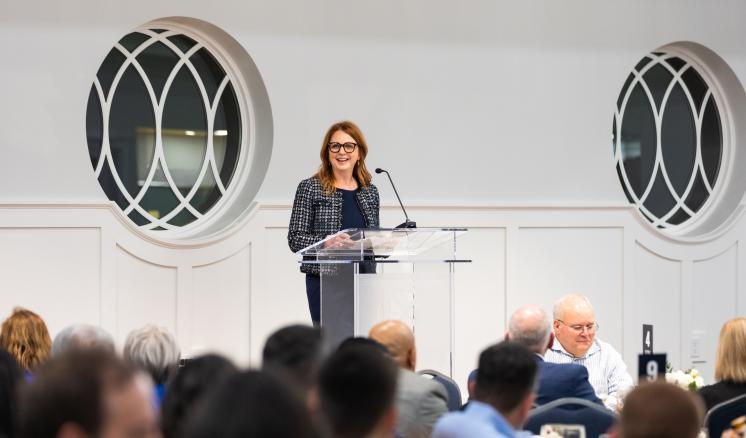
(343, 162)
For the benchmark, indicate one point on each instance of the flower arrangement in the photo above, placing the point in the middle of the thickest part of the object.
(687, 379)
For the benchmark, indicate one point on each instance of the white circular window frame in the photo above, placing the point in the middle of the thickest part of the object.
(255, 147)
(713, 217)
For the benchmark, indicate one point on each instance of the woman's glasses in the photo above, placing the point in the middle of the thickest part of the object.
(348, 147)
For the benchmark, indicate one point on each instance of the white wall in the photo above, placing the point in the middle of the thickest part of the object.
(475, 104)
(512, 99)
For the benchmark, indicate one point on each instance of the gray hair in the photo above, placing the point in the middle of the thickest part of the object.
(530, 327)
(81, 336)
(154, 349)
(569, 300)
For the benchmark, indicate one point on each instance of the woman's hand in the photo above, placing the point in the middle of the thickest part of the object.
(340, 241)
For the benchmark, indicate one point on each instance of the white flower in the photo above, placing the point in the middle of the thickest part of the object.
(699, 381)
(689, 380)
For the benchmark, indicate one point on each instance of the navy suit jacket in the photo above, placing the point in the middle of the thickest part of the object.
(563, 380)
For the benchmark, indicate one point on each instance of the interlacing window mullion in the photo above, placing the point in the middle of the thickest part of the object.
(667, 139)
(164, 128)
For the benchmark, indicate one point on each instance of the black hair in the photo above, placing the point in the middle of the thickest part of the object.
(192, 381)
(251, 404)
(357, 384)
(506, 375)
(294, 351)
(11, 375)
(70, 389)
(366, 342)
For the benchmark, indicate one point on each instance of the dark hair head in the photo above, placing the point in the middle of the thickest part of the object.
(11, 375)
(192, 381)
(294, 351)
(70, 388)
(505, 376)
(660, 410)
(356, 387)
(364, 342)
(251, 404)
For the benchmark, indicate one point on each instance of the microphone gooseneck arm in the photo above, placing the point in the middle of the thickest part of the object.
(407, 223)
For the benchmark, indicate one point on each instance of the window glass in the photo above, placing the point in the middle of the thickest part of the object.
(668, 141)
(164, 128)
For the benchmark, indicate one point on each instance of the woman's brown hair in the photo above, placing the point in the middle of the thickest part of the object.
(24, 334)
(730, 360)
(325, 172)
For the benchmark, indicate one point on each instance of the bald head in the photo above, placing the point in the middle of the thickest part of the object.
(530, 327)
(572, 303)
(574, 324)
(398, 339)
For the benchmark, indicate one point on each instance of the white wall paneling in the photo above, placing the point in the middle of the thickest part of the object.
(714, 298)
(656, 299)
(47, 269)
(74, 263)
(279, 296)
(480, 290)
(556, 261)
(146, 293)
(222, 306)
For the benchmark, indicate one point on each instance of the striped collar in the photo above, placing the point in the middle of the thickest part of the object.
(595, 348)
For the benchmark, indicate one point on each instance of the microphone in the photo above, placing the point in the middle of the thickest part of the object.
(407, 223)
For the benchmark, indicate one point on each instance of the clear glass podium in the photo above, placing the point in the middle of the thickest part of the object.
(371, 275)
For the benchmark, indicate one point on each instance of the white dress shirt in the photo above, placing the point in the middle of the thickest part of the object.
(607, 372)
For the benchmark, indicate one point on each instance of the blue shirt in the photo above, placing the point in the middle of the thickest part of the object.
(478, 420)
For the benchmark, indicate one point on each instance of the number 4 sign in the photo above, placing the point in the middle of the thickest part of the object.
(647, 339)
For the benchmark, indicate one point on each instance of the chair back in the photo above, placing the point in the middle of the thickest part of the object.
(719, 417)
(452, 389)
(596, 419)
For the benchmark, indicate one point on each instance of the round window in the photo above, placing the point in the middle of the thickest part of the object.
(167, 133)
(668, 139)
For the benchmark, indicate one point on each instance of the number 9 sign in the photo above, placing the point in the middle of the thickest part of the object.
(650, 367)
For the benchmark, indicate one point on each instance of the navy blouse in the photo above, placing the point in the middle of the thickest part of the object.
(352, 217)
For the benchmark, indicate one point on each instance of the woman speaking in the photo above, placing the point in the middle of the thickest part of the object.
(339, 196)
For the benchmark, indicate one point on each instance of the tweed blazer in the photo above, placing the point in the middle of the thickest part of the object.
(316, 215)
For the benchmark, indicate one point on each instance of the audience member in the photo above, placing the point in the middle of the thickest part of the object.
(11, 376)
(357, 385)
(730, 365)
(294, 352)
(85, 393)
(251, 404)
(660, 410)
(81, 336)
(471, 384)
(529, 326)
(419, 401)
(196, 378)
(575, 329)
(24, 335)
(361, 341)
(154, 350)
(502, 399)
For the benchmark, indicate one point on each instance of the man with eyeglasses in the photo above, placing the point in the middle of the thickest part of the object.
(575, 330)
(529, 326)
